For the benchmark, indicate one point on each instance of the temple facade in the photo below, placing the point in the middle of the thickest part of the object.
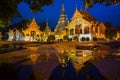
(46, 33)
(60, 29)
(29, 32)
(118, 35)
(82, 25)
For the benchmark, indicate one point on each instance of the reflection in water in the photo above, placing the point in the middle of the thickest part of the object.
(78, 67)
(60, 73)
(88, 72)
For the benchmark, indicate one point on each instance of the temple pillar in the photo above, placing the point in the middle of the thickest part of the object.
(90, 29)
(99, 31)
(83, 29)
(94, 30)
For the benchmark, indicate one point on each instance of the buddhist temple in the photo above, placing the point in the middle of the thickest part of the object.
(83, 25)
(47, 32)
(61, 25)
(28, 32)
(118, 35)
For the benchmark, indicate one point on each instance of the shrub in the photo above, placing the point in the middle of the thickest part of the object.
(75, 38)
(101, 39)
(66, 38)
(87, 39)
(95, 39)
(5, 37)
(51, 38)
(70, 39)
(83, 39)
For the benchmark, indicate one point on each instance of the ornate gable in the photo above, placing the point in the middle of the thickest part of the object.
(32, 27)
(76, 14)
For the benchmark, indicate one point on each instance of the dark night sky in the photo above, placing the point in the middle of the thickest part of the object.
(99, 11)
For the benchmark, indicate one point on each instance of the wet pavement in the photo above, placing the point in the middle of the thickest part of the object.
(47, 66)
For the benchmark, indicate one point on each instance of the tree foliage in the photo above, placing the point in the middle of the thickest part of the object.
(66, 38)
(51, 38)
(42, 26)
(8, 8)
(90, 3)
(109, 32)
(75, 38)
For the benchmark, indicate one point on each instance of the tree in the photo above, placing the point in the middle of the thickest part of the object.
(42, 26)
(66, 38)
(8, 8)
(90, 3)
(51, 38)
(75, 38)
(109, 32)
(95, 39)
(83, 39)
(87, 39)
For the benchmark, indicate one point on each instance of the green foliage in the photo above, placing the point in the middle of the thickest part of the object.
(83, 39)
(42, 26)
(51, 38)
(109, 32)
(95, 39)
(75, 38)
(90, 3)
(5, 37)
(87, 39)
(8, 8)
(101, 39)
(66, 38)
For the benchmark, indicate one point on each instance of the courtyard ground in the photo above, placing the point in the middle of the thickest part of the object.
(43, 66)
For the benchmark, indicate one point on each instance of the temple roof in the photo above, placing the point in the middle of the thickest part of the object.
(76, 14)
(24, 24)
(47, 28)
(63, 20)
(82, 14)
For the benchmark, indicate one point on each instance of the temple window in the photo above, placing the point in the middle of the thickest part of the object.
(33, 33)
(92, 29)
(96, 29)
(86, 30)
(80, 31)
(76, 29)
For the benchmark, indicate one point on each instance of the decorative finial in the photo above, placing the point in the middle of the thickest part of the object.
(76, 5)
(47, 22)
(62, 5)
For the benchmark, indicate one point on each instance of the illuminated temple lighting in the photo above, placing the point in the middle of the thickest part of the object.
(82, 25)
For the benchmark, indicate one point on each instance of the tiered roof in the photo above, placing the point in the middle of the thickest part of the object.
(83, 14)
(63, 20)
(47, 28)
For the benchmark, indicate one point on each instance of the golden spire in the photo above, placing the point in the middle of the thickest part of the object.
(76, 5)
(63, 5)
